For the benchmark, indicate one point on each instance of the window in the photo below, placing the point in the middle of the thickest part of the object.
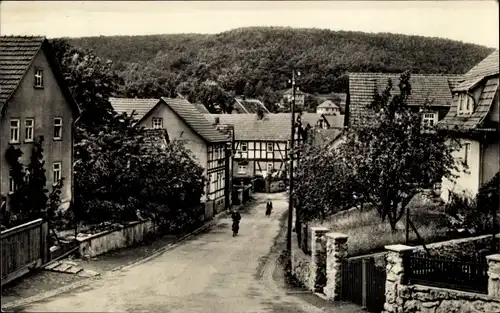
(157, 123)
(29, 124)
(57, 128)
(270, 167)
(429, 118)
(56, 172)
(244, 147)
(269, 147)
(12, 184)
(242, 169)
(38, 78)
(14, 131)
(466, 153)
(464, 104)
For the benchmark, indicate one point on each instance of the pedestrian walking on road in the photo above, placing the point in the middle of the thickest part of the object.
(269, 208)
(236, 217)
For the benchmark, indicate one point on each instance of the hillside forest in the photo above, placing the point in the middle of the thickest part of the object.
(256, 62)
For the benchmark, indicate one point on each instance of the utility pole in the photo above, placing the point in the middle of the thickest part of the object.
(291, 154)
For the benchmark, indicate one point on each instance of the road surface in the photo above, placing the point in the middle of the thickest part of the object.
(211, 273)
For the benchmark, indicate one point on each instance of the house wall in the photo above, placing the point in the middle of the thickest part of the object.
(178, 129)
(490, 161)
(259, 156)
(43, 105)
(468, 180)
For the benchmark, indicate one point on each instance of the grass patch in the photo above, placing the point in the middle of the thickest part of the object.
(368, 234)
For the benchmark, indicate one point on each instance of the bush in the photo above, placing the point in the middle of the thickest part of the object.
(278, 186)
(466, 218)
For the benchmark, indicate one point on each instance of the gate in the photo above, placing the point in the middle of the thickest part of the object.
(24, 247)
(363, 282)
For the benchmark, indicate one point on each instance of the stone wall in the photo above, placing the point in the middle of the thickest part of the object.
(131, 234)
(403, 298)
(300, 263)
(417, 298)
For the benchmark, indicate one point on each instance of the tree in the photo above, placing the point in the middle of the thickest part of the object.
(383, 160)
(30, 199)
(392, 156)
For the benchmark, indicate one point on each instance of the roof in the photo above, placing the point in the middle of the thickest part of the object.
(290, 91)
(335, 121)
(482, 72)
(155, 138)
(251, 105)
(334, 97)
(273, 126)
(195, 120)
(328, 104)
(201, 108)
(326, 136)
(453, 121)
(16, 56)
(487, 67)
(128, 105)
(433, 89)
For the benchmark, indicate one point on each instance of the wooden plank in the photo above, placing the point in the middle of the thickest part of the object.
(20, 228)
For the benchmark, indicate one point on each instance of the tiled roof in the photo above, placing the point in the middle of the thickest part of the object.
(201, 108)
(194, 119)
(335, 121)
(273, 127)
(453, 121)
(328, 104)
(140, 107)
(487, 67)
(425, 88)
(326, 136)
(252, 105)
(16, 55)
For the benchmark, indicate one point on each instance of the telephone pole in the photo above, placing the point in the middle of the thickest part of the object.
(291, 154)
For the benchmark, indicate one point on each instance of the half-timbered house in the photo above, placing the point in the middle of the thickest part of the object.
(182, 120)
(262, 143)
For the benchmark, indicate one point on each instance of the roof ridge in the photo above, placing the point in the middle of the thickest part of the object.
(417, 74)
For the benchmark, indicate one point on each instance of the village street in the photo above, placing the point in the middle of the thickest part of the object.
(213, 272)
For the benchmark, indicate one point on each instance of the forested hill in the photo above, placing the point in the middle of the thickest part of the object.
(251, 60)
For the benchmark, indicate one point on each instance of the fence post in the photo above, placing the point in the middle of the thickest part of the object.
(317, 267)
(395, 284)
(494, 275)
(335, 255)
(364, 280)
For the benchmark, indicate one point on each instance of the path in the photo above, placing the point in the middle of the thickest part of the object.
(213, 272)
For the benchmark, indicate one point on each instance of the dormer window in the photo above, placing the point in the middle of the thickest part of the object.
(465, 104)
(38, 78)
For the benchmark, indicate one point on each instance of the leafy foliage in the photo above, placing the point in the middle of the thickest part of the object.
(257, 61)
(384, 161)
(30, 199)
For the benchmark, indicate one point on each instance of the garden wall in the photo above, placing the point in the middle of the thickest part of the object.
(300, 263)
(131, 234)
(419, 298)
(472, 247)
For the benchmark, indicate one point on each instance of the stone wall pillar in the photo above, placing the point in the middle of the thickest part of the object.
(317, 278)
(336, 253)
(395, 288)
(494, 275)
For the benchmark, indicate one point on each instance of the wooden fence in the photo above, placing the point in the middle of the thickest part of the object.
(24, 248)
(447, 273)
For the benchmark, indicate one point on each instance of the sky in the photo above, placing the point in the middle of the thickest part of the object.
(469, 21)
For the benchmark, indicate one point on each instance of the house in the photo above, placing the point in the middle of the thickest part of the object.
(432, 90)
(300, 97)
(183, 121)
(340, 99)
(473, 119)
(261, 144)
(328, 107)
(247, 105)
(35, 103)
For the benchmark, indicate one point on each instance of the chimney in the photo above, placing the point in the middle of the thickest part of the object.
(217, 120)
